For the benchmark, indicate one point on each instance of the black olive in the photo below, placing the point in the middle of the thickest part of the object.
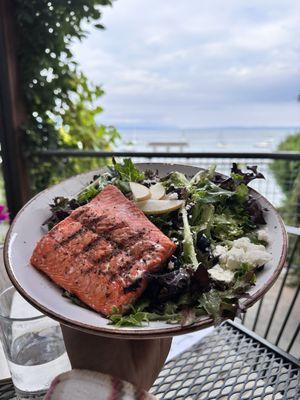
(179, 250)
(203, 243)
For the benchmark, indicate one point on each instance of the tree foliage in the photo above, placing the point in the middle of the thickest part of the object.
(287, 175)
(61, 103)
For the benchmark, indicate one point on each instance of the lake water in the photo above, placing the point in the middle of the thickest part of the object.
(205, 139)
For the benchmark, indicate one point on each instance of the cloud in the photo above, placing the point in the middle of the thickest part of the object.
(196, 63)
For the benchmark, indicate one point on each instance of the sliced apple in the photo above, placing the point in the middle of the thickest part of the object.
(171, 196)
(157, 191)
(156, 207)
(140, 192)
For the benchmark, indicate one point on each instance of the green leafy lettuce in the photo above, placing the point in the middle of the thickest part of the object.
(139, 317)
(189, 252)
(176, 180)
(92, 190)
(221, 304)
(210, 193)
(127, 171)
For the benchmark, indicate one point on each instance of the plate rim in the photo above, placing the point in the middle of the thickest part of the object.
(138, 333)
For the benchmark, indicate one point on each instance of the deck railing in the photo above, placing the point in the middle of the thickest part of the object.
(276, 317)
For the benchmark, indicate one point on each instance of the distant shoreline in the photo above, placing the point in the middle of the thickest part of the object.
(170, 128)
(244, 139)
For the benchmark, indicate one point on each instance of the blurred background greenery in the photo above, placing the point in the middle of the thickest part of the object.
(60, 101)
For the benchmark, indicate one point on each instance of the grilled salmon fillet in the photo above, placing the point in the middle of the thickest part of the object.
(102, 252)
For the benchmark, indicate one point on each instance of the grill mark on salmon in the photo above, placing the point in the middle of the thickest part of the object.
(88, 221)
(92, 244)
(119, 249)
(101, 250)
(73, 236)
(108, 257)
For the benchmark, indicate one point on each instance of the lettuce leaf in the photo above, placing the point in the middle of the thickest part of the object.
(91, 190)
(175, 180)
(60, 209)
(168, 285)
(189, 252)
(245, 177)
(211, 303)
(202, 218)
(225, 304)
(127, 171)
(210, 193)
(226, 227)
(203, 176)
(137, 316)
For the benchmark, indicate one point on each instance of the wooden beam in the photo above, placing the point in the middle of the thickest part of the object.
(12, 113)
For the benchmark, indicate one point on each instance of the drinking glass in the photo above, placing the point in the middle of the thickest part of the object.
(33, 345)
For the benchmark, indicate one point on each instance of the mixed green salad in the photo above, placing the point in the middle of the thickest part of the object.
(217, 227)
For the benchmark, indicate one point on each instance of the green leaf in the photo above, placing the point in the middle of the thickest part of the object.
(211, 303)
(92, 190)
(226, 227)
(189, 252)
(204, 176)
(242, 193)
(137, 317)
(202, 218)
(210, 193)
(127, 171)
(99, 26)
(175, 180)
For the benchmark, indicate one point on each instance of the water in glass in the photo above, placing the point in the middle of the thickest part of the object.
(33, 346)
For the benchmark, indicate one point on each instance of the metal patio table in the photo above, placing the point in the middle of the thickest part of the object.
(231, 363)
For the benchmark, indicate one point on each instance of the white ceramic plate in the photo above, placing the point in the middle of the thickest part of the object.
(47, 297)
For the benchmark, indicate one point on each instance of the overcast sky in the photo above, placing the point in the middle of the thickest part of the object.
(197, 63)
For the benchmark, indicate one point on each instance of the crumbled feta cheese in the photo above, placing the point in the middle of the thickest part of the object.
(258, 257)
(242, 251)
(171, 265)
(220, 250)
(233, 258)
(242, 243)
(263, 235)
(220, 274)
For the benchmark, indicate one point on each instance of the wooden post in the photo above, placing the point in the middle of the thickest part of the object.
(12, 113)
